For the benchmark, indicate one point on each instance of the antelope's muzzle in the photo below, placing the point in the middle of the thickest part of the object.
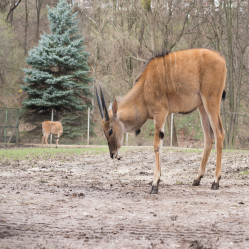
(114, 156)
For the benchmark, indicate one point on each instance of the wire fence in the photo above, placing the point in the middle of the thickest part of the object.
(9, 125)
(187, 131)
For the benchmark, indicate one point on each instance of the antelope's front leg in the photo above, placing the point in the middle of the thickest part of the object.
(158, 140)
(157, 174)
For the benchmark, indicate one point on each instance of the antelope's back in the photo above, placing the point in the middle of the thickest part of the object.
(181, 71)
(46, 126)
(56, 127)
(52, 127)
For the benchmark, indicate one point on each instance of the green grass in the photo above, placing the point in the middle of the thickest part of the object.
(43, 181)
(46, 153)
(34, 153)
(236, 150)
(244, 172)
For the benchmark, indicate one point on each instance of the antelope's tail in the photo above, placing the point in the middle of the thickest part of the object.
(224, 95)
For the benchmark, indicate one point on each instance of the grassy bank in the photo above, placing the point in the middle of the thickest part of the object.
(36, 153)
(42, 153)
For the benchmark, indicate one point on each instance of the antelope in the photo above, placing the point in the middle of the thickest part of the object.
(175, 82)
(50, 127)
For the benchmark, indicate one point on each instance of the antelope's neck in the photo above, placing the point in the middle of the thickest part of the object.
(132, 111)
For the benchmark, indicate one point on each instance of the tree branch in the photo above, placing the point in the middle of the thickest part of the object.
(13, 8)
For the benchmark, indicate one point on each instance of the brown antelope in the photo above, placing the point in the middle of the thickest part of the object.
(50, 127)
(177, 82)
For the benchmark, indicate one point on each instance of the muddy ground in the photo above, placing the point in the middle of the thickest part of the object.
(92, 201)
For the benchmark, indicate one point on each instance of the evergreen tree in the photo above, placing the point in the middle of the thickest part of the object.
(58, 74)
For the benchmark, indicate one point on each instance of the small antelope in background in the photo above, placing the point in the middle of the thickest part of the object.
(177, 82)
(50, 127)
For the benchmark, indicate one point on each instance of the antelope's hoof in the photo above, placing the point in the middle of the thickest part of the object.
(215, 186)
(196, 183)
(154, 189)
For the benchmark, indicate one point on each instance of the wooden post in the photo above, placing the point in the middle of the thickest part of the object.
(171, 129)
(52, 119)
(88, 126)
(6, 125)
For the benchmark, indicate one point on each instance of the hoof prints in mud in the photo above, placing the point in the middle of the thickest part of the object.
(92, 201)
(159, 233)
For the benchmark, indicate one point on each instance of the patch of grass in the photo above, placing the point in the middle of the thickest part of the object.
(190, 125)
(236, 151)
(43, 181)
(244, 172)
(41, 153)
(47, 153)
(179, 183)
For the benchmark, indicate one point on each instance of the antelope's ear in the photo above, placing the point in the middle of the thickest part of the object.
(110, 110)
(115, 108)
(110, 107)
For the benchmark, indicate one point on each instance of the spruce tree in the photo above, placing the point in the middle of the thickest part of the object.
(58, 73)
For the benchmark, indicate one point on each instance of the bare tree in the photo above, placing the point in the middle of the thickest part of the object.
(13, 5)
(4, 5)
(25, 45)
(237, 43)
(122, 35)
(225, 28)
(38, 5)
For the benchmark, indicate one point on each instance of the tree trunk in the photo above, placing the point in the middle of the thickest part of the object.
(231, 77)
(26, 29)
(13, 5)
(38, 4)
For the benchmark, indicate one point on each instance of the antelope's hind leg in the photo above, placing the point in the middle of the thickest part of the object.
(213, 110)
(208, 142)
(158, 142)
(219, 138)
(42, 139)
(57, 140)
(46, 139)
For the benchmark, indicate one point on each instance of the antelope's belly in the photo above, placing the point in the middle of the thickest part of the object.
(184, 104)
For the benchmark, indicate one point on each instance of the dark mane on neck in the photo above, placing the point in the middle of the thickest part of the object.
(157, 55)
(161, 54)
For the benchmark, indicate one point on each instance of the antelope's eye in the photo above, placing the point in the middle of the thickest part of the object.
(110, 132)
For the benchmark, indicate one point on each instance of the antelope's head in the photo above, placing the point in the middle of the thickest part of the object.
(112, 126)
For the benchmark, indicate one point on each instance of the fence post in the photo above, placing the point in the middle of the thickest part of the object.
(52, 119)
(17, 127)
(171, 129)
(88, 125)
(6, 122)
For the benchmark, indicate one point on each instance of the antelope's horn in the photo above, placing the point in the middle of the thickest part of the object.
(99, 104)
(104, 105)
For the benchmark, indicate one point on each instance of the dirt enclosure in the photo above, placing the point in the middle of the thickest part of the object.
(92, 201)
